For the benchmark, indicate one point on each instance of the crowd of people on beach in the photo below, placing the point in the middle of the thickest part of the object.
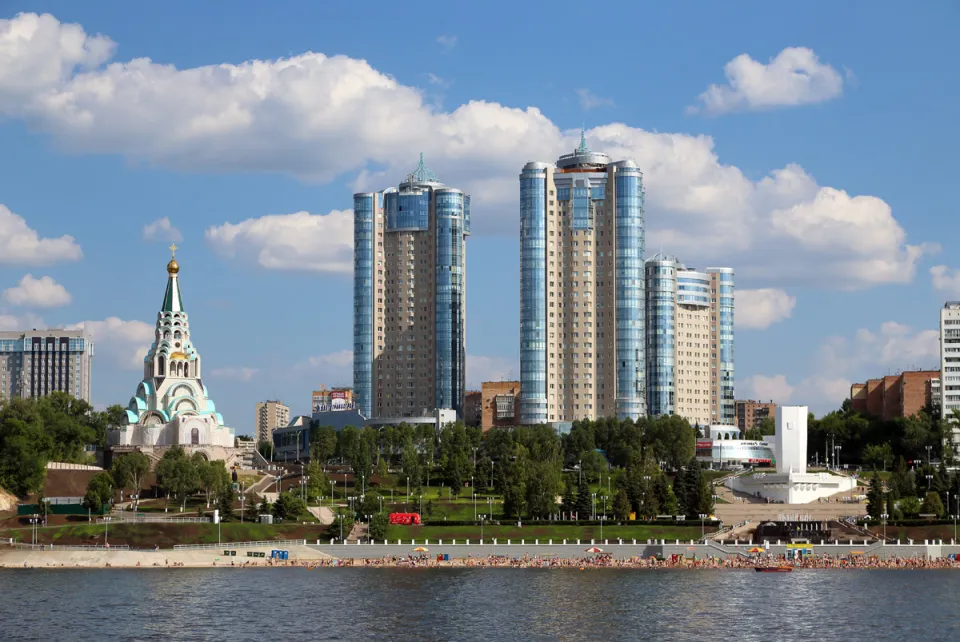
(591, 561)
(608, 561)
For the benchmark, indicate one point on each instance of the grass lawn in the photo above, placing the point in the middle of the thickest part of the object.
(166, 535)
(454, 511)
(543, 533)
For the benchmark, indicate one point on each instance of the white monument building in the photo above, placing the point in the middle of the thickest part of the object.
(792, 484)
(172, 406)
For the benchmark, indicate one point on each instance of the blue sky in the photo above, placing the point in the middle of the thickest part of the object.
(808, 146)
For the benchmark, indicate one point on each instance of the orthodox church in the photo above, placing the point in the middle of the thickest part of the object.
(172, 406)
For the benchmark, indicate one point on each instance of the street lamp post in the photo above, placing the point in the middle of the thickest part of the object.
(884, 517)
(481, 526)
(703, 535)
(408, 491)
(602, 518)
(106, 532)
(593, 504)
(929, 481)
(474, 505)
(929, 448)
(242, 500)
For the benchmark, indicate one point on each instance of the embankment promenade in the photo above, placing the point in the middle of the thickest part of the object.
(658, 554)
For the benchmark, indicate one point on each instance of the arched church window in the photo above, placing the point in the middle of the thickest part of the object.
(195, 437)
(176, 335)
(186, 370)
(161, 363)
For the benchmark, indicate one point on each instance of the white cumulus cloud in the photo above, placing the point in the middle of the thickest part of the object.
(761, 308)
(589, 100)
(234, 374)
(481, 368)
(21, 245)
(301, 241)
(38, 293)
(14, 322)
(123, 343)
(161, 230)
(945, 279)
(794, 77)
(320, 117)
(839, 361)
(447, 42)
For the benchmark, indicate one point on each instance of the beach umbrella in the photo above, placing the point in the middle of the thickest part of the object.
(420, 549)
(755, 549)
(594, 549)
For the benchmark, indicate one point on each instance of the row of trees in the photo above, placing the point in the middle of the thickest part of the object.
(909, 492)
(58, 427)
(875, 442)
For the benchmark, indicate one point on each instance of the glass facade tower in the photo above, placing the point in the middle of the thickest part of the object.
(689, 341)
(410, 297)
(581, 289)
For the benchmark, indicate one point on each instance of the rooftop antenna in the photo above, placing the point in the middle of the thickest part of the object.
(582, 149)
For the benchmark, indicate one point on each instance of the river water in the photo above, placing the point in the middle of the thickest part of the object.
(263, 605)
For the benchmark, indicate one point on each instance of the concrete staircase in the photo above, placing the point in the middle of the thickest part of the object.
(357, 533)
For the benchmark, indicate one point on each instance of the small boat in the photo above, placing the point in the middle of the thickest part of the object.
(773, 569)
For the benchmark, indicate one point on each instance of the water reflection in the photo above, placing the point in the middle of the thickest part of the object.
(476, 604)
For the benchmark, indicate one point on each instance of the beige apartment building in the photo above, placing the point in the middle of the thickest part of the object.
(581, 289)
(409, 352)
(689, 342)
(270, 415)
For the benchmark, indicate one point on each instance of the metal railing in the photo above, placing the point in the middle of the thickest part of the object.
(68, 547)
(143, 518)
(264, 543)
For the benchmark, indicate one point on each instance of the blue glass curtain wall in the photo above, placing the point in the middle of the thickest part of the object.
(533, 294)
(449, 314)
(364, 206)
(631, 365)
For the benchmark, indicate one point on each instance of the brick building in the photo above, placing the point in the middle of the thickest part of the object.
(500, 404)
(750, 414)
(901, 395)
(473, 408)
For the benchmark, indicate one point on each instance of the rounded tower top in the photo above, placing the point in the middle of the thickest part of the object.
(173, 267)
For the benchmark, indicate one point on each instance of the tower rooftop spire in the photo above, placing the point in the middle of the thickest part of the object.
(422, 174)
(582, 148)
(172, 302)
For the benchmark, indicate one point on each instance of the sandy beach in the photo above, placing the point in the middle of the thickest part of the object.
(165, 558)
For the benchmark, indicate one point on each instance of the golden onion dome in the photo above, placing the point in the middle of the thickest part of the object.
(173, 267)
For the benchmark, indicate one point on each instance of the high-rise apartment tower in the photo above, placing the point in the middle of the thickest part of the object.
(270, 415)
(689, 341)
(35, 363)
(581, 289)
(409, 297)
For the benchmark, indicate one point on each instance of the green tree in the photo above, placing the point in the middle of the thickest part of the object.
(323, 444)
(878, 456)
(225, 499)
(265, 448)
(100, 490)
(621, 506)
(875, 503)
(666, 499)
(932, 504)
(569, 496)
(377, 529)
(178, 474)
(212, 476)
(910, 507)
(343, 523)
(317, 482)
(584, 505)
(129, 470)
(288, 506)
